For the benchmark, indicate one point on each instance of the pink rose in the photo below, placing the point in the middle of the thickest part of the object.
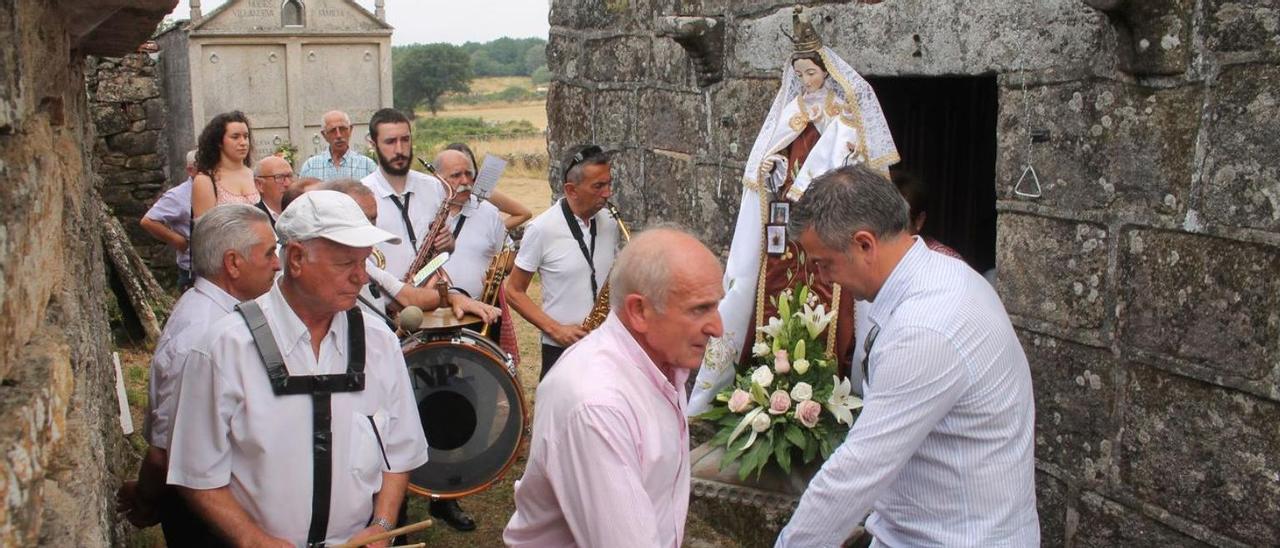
(779, 402)
(780, 363)
(740, 401)
(807, 413)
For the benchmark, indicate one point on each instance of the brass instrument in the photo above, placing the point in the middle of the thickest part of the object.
(498, 270)
(600, 309)
(428, 249)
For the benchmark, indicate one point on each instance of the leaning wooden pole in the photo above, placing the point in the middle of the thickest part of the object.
(138, 282)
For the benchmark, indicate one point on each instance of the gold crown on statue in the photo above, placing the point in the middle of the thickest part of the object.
(803, 36)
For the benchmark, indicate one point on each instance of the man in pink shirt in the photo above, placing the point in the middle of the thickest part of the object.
(609, 462)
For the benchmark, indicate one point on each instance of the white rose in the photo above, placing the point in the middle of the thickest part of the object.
(762, 376)
(802, 391)
(801, 366)
(761, 422)
(760, 349)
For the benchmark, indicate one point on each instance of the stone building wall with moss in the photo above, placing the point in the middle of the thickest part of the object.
(60, 439)
(1142, 281)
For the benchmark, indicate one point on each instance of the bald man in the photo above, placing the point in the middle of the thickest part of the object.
(273, 175)
(609, 460)
(337, 161)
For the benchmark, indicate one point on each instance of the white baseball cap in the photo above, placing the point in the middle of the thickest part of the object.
(333, 216)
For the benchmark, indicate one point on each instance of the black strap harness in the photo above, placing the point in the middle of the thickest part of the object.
(319, 387)
(582, 245)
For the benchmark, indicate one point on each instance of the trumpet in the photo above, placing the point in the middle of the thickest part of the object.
(428, 250)
(600, 308)
(498, 270)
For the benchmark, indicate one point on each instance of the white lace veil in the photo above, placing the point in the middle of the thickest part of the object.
(845, 82)
(742, 270)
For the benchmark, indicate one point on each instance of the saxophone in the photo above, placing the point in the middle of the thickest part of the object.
(498, 270)
(427, 250)
(600, 309)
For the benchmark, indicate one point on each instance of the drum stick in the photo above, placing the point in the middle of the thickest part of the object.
(411, 528)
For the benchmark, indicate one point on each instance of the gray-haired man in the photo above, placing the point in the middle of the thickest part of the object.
(301, 355)
(942, 453)
(337, 161)
(234, 259)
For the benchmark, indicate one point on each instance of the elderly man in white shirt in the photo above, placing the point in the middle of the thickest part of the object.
(571, 246)
(234, 260)
(296, 422)
(942, 453)
(609, 460)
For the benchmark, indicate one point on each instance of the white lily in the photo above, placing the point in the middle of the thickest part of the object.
(773, 328)
(841, 403)
(815, 319)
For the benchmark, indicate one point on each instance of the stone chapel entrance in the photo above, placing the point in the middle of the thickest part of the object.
(945, 130)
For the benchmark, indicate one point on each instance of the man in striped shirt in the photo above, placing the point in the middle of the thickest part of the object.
(942, 453)
(337, 161)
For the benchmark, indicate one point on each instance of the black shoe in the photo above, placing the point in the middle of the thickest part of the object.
(452, 514)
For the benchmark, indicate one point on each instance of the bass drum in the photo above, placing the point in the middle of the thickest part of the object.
(472, 411)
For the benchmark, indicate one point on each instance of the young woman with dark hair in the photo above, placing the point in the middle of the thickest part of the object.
(224, 171)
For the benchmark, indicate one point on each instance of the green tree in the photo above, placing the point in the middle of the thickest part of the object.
(541, 76)
(535, 57)
(425, 72)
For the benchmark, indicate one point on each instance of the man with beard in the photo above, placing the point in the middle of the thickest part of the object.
(407, 199)
(337, 161)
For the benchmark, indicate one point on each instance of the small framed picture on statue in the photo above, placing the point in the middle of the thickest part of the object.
(776, 239)
(779, 213)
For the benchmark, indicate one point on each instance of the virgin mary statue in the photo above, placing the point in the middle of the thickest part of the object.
(824, 116)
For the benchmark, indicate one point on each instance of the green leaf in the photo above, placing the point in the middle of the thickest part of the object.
(729, 457)
(810, 449)
(714, 413)
(758, 395)
(825, 447)
(782, 453)
(754, 459)
(795, 436)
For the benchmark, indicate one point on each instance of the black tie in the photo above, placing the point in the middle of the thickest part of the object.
(404, 215)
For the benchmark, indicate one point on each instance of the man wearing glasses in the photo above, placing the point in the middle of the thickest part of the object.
(272, 176)
(338, 161)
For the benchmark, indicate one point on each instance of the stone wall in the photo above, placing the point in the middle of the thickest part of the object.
(131, 153)
(1143, 281)
(60, 439)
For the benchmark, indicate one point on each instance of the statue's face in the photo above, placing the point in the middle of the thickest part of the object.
(810, 74)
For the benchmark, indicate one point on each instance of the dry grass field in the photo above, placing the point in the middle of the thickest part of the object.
(535, 112)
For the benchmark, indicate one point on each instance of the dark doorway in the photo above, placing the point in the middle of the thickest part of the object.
(945, 130)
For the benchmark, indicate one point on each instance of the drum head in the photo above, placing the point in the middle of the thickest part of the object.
(472, 412)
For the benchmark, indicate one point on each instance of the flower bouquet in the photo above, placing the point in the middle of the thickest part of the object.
(786, 403)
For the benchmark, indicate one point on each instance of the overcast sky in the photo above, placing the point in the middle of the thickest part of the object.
(419, 21)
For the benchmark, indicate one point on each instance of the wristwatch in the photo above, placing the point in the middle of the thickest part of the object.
(383, 523)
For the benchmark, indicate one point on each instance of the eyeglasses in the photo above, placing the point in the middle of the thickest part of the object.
(581, 156)
(279, 179)
(337, 129)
